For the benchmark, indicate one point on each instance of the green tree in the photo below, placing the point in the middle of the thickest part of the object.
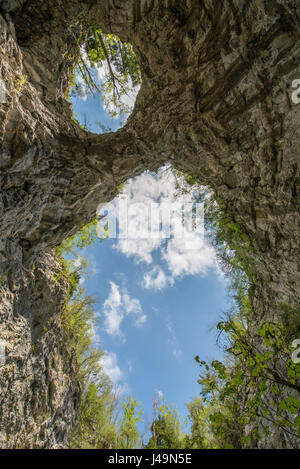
(165, 429)
(200, 436)
(96, 427)
(129, 437)
(85, 236)
(121, 72)
(257, 383)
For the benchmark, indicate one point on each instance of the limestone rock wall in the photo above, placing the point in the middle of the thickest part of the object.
(39, 390)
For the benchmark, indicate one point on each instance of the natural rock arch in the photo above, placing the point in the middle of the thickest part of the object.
(215, 101)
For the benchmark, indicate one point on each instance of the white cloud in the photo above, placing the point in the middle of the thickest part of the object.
(140, 321)
(187, 255)
(117, 305)
(131, 305)
(145, 195)
(113, 311)
(159, 394)
(77, 263)
(196, 258)
(86, 264)
(176, 352)
(157, 279)
(140, 249)
(146, 200)
(102, 71)
(109, 363)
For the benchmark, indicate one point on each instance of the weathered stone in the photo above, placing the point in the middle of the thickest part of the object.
(215, 101)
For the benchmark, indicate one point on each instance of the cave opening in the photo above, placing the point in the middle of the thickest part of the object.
(218, 101)
(159, 290)
(106, 79)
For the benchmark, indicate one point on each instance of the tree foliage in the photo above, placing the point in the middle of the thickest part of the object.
(165, 428)
(258, 384)
(129, 436)
(104, 422)
(85, 236)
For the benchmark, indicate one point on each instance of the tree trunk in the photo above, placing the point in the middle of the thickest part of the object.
(216, 102)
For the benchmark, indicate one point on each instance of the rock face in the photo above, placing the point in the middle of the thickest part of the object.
(215, 102)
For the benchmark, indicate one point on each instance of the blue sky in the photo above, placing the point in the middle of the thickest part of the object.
(158, 299)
